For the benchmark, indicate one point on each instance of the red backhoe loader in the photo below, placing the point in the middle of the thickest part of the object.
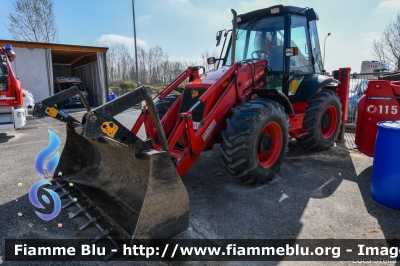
(268, 87)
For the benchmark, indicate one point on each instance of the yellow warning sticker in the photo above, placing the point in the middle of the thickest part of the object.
(294, 85)
(51, 111)
(195, 93)
(109, 128)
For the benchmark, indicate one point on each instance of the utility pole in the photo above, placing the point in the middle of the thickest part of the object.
(134, 36)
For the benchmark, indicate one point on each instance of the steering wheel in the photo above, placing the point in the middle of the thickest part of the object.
(259, 54)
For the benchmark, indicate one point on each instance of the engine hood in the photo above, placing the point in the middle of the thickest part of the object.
(211, 77)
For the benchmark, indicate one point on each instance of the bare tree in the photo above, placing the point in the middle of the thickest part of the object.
(206, 54)
(120, 64)
(387, 49)
(34, 21)
(155, 67)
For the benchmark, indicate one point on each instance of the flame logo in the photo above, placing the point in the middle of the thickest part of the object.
(50, 166)
(45, 153)
(35, 201)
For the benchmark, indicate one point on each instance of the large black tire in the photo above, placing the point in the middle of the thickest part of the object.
(163, 106)
(255, 141)
(322, 121)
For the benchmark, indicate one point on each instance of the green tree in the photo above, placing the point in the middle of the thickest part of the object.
(127, 85)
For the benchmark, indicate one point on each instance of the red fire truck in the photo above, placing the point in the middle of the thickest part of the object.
(12, 115)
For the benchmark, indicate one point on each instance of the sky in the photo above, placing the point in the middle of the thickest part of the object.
(185, 29)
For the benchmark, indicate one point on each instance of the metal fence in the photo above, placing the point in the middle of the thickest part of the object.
(358, 84)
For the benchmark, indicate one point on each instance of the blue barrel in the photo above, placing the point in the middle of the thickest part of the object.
(111, 97)
(385, 182)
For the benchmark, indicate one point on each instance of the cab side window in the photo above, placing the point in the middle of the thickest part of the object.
(301, 63)
(315, 48)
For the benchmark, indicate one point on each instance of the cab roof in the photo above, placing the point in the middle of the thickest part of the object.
(274, 11)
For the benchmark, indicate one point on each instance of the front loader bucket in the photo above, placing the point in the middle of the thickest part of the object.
(142, 196)
(135, 188)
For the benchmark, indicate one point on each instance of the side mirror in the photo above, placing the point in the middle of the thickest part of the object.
(292, 51)
(218, 37)
(210, 60)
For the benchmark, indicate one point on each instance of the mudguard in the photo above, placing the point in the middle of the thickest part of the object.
(310, 86)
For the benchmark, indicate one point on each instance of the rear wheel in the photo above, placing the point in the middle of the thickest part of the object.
(322, 121)
(255, 141)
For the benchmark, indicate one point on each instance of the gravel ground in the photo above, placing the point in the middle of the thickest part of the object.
(315, 196)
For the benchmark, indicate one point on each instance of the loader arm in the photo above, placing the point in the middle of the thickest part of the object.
(47, 106)
(100, 120)
(232, 87)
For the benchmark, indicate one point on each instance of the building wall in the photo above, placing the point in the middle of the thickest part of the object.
(60, 70)
(31, 69)
(89, 74)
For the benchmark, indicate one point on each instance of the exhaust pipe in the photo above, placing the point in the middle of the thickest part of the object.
(234, 26)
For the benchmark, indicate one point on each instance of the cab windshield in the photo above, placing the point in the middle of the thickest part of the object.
(261, 38)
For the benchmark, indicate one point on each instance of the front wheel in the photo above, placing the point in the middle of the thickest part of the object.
(255, 141)
(322, 121)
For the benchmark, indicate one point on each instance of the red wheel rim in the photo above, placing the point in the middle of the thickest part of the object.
(269, 144)
(329, 122)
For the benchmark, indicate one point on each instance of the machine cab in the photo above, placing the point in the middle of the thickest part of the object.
(286, 37)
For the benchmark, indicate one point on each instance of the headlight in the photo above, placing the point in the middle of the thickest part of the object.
(20, 114)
